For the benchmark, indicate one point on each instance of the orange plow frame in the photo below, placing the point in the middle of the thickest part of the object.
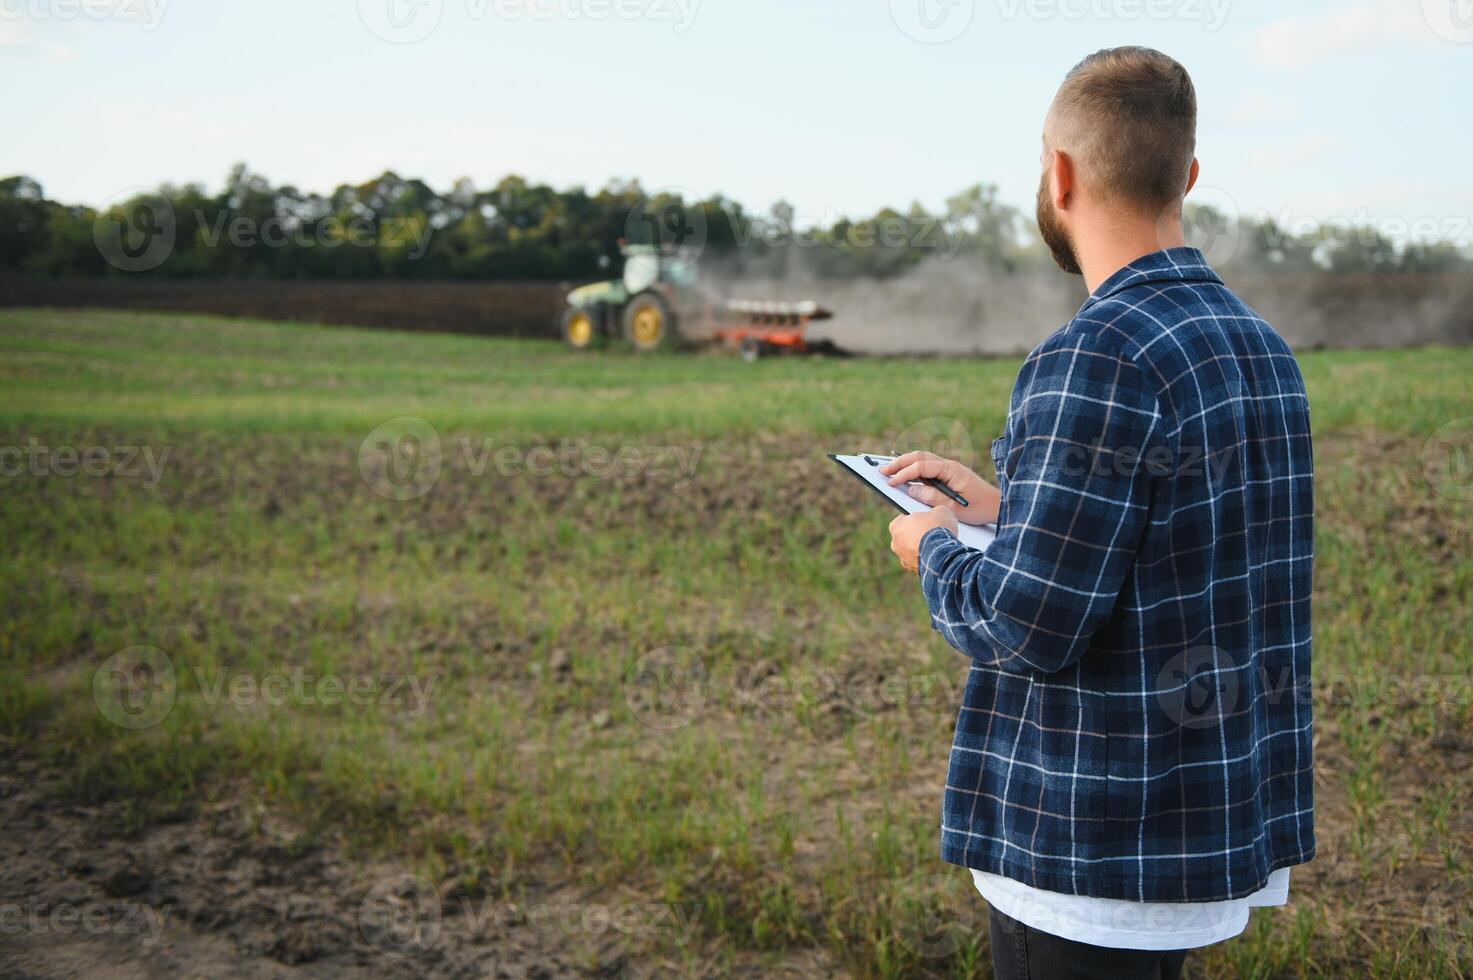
(778, 326)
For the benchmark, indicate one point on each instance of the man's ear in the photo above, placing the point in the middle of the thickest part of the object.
(1193, 174)
(1062, 179)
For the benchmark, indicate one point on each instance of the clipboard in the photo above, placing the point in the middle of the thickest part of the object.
(866, 467)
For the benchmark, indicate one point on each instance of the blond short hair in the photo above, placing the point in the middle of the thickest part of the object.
(1127, 117)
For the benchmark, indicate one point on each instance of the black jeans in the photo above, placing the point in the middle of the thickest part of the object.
(1021, 953)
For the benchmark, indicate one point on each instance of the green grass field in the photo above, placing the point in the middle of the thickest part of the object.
(630, 666)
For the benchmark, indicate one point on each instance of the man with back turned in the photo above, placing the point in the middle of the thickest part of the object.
(1131, 769)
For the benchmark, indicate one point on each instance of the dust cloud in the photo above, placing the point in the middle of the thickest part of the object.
(959, 306)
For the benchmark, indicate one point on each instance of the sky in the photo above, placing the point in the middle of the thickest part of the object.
(1311, 112)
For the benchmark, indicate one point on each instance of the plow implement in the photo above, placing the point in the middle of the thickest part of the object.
(759, 327)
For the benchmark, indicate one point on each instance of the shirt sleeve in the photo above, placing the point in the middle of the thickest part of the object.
(1084, 437)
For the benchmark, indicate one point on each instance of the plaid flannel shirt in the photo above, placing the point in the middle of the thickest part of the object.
(1136, 720)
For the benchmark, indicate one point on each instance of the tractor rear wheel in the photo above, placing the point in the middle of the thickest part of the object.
(583, 326)
(647, 322)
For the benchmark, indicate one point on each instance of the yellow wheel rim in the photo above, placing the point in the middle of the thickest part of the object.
(580, 329)
(648, 326)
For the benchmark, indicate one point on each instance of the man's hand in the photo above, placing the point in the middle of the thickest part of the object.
(982, 497)
(907, 530)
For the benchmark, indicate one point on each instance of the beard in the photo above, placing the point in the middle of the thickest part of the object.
(1052, 230)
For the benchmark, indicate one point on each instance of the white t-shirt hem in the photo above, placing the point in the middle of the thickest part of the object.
(1120, 924)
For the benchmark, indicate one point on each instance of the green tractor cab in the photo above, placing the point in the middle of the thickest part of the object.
(645, 307)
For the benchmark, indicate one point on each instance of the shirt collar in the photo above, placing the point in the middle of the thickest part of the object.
(1181, 264)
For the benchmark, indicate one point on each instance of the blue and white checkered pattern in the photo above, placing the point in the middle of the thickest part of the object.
(1136, 722)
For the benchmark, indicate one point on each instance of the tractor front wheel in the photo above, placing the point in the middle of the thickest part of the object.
(582, 328)
(647, 322)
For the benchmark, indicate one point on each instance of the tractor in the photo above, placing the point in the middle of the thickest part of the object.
(657, 304)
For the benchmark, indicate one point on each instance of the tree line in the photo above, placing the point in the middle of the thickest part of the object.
(393, 227)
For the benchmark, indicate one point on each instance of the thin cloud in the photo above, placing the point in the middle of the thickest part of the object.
(145, 116)
(16, 43)
(1296, 150)
(1256, 107)
(1299, 41)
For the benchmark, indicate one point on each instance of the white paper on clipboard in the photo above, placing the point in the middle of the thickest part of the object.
(971, 535)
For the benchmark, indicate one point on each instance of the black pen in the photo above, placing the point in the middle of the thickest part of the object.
(937, 484)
